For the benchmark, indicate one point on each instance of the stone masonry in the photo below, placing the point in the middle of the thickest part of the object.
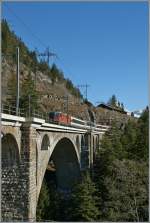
(24, 163)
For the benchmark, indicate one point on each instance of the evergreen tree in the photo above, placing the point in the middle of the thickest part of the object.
(28, 90)
(121, 173)
(112, 101)
(127, 185)
(11, 90)
(63, 209)
(83, 201)
(5, 36)
(69, 84)
(56, 74)
(122, 106)
(43, 204)
(119, 104)
(142, 139)
(128, 139)
(112, 141)
(48, 207)
(43, 67)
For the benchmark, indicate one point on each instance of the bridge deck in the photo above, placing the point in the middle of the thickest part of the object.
(41, 124)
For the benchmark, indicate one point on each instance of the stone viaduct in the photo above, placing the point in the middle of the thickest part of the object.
(28, 147)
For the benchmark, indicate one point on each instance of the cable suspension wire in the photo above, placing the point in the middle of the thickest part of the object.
(36, 37)
(47, 52)
(33, 33)
(25, 25)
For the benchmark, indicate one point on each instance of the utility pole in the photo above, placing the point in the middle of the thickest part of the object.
(67, 102)
(84, 86)
(66, 99)
(35, 76)
(67, 105)
(29, 105)
(17, 86)
(47, 54)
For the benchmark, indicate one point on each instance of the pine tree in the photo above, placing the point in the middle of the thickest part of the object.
(127, 186)
(56, 74)
(142, 139)
(121, 173)
(128, 139)
(43, 203)
(112, 101)
(119, 104)
(122, 106)
(83, 201)
(5, 36)
(28, 90)
(11, 90)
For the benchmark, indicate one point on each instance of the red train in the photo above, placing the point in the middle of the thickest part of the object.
(60, 118)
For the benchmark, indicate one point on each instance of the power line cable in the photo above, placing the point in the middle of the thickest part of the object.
(35, 36)
(32, 33)
(49, 54)
(25, 25)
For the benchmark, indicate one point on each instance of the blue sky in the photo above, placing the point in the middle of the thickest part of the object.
(101, 44)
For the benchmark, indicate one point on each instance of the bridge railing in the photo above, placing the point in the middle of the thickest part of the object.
(11, 110)
(38, 114)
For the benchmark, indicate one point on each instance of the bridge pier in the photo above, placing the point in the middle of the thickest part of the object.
(87, 151)
(28, 157)
(91, 150)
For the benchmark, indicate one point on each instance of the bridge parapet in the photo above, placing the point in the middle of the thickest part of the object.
(41, 124)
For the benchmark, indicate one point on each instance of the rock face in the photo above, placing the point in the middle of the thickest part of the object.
(52, 97)
(105, 116)
(56, 97)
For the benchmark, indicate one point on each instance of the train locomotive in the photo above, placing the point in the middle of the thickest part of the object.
(60, 118)
(65, 119)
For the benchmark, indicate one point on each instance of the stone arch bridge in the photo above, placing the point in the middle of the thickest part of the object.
(29, 147)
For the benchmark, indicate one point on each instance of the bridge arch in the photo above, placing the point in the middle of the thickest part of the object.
(84, 151)
(66, 163)
(10, 177)
(10, 151)
(61, 147)
(93, 140)
(45, 143)
(82, 142)
(78, 142)
(97, 142)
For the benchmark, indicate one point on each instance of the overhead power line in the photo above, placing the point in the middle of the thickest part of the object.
(36, 37)
(26, 26)
(47, 54)
(84, 86)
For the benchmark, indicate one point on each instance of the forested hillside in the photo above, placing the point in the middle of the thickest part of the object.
(121, 172)
(45, 84)
(29, 58)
